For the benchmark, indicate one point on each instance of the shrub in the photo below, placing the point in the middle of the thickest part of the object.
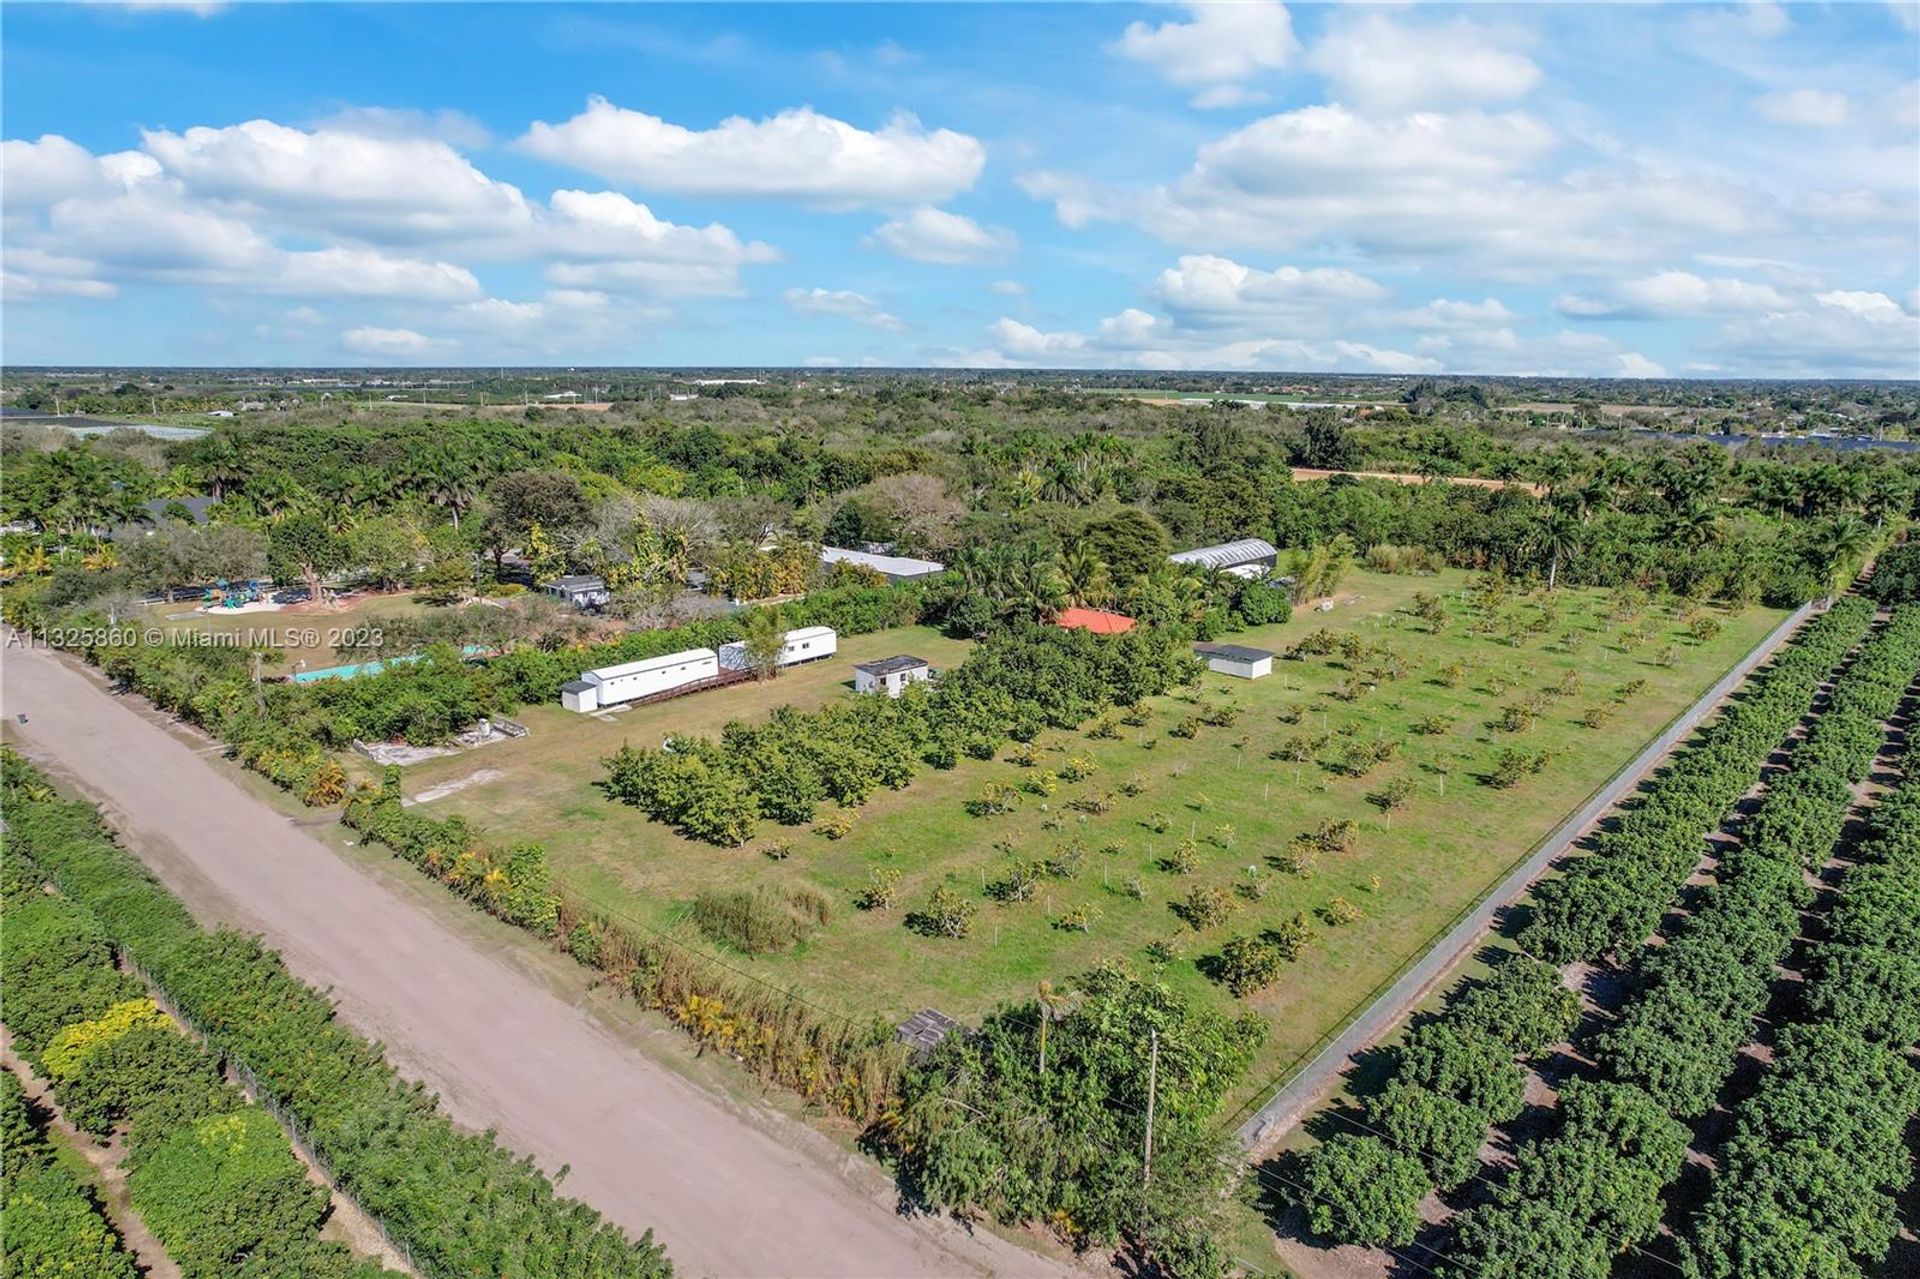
(946, 914)
(1205, 906)
(881, 891)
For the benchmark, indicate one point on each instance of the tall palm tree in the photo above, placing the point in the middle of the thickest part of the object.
(1556, 539)
(1089, 582)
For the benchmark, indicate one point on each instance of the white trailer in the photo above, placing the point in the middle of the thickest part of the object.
(644, 678)
(804, 644)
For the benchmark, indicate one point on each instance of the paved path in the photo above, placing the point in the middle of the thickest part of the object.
(1300, 1093)
(729, 1193)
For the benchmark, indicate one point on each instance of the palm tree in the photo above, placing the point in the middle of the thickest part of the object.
(1089, 582)
(1556, 538)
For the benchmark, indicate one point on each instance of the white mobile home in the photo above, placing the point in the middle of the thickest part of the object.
(890, 675)
(1235, 659)
(630, 680)
(804, 644)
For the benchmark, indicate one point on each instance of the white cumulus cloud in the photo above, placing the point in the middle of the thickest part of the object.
(927, 234)
(1668, 294)
(798, 153)
(1379, 63)
(843, 303)
(1219, 46)
(1212, 289)
(401, 344)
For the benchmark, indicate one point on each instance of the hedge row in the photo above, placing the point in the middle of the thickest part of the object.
(1014, 685)
(213, 1178)
(1571, 1204)
(1697, 995)
(51, 1226)
(458, 1202)
(1809, 1180)
(1615, 896)
(1455, 1076)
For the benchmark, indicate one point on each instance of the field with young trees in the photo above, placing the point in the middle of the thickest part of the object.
(1292, 839)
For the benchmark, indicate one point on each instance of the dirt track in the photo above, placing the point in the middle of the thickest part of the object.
(728, 1193)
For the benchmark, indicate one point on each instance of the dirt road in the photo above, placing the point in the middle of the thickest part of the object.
(729, 1194)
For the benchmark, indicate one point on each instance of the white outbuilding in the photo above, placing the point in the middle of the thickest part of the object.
(1236, 660)
(803, 644)
(630, 681)
(579, 695)
(890, 675)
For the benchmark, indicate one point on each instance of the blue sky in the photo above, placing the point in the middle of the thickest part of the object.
(1606, 190)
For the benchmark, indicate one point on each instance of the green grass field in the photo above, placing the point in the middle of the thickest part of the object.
(1445, 849)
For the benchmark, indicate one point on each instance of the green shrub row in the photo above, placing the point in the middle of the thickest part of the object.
(458, 1202)
(213, 1178)
(51, 1226)
(1015, 684)
(1571, 1205)
(1614, 897)
(1454, 1077)
(1809, 1181)
(1698, 994)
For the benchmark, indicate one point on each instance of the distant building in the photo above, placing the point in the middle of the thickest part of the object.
(1248, 557)
(1236, 659)
(895, 568)
(581, 590)
(890, 675)
(1099, 621)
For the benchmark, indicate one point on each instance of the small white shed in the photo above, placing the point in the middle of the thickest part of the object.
(579, 695)
(1236, 660)
(890, 675)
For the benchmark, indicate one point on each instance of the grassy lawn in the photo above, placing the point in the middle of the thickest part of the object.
(1447, 847)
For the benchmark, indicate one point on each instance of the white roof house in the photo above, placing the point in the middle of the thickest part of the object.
(1248, 557)
(895, 568)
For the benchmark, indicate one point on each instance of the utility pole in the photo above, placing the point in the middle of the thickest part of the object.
(1153, 1081)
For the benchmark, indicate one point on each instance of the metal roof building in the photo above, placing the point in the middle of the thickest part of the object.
(895, 568)
(1248, 557)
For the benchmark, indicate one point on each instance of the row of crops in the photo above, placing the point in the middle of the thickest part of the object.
(1594, 1188)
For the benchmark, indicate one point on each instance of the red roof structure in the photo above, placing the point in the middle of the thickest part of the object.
(1096, 620)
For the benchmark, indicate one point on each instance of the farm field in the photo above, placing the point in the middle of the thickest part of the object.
(1218, 789)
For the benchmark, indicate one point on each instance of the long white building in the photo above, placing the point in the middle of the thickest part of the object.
(612, 685)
